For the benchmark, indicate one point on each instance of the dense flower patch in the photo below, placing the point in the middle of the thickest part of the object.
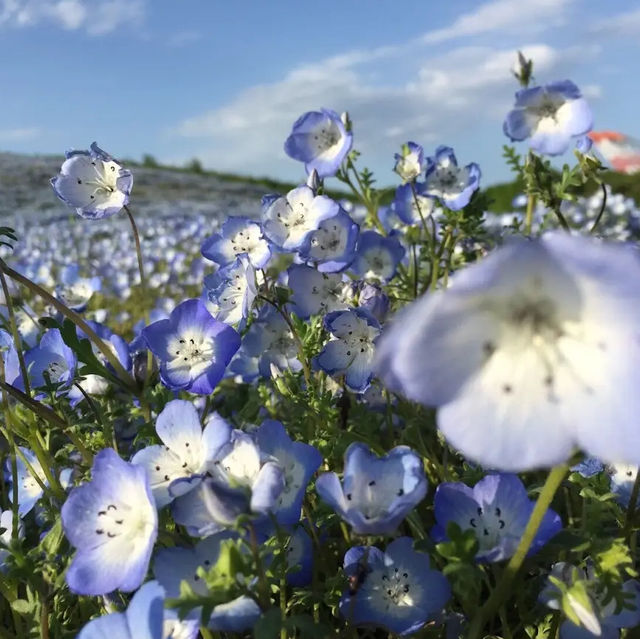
(382, 415)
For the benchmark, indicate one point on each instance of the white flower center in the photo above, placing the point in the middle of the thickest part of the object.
(325, 137)
(489, 526)
(195, 351)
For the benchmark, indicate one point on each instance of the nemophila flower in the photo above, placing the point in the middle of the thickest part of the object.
(333, 245)
(93, 183)
(527, 353)
(591, 611)
(372, 298)
(588, 467)
(230, 292)
(299, 461)
(244, 367)
(497, 509)
(351, 349)
(396, 589)
(376, 493)
(410, 162)
(193, 347)
(377, 256)
(9, 357)
(623, 477)
(173, 565)
(187, 448)
(143, 619)
(410, 203)
(112, 523)
(244, 481)
(299, 553)
(51, 362)
(75, 291)
(289, 220)
(29, 489)
(452, 185)
(238, 236)
(320, 140)
(176, 628)
(316, 293)
(551, 116)
(269, 338)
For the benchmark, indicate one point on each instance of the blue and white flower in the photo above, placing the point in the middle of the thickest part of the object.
(6, 535)
(496, 509)
(351, 350)
(112, 522)
(377, 256)
(51, 362)
(372, 298)
(289, 220)
(187, 451)
(317, 293)
(452, 185)
(410, 203)
(29, 488)
(299, 551)
(171, 566)
(396, 589)
(238, 236)
(75, 291)
(299, 462)
(588, 467)
(623, 477)
(143, 619)
(230, 292)
(333, 245)
(93, 183)
(551, 116)
(319, 139)
(269, 338)
(376, 493)
(526, 352)
(9, 357)
(193, 347)
(410, 162)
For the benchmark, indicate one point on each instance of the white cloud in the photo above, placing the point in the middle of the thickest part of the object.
(18, 135)
(448, 95)
(498, 15)
(623, 24)
(96, 17)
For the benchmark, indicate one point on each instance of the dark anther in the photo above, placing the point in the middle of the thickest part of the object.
(498, 512)
(99, 532)
(111, 507)
(507, 388)
(157, 467)
(485, 532)
(119, 522)
(501, 524)
(349, 496)
(488, 348)
(111, 535)
(479, 510)
(472, 522)
(401, 492)
(372, 482)
(102, 512)
(406, 588)
(166, 477)
(405, 574)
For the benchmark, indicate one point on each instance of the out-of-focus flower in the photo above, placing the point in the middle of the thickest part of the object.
(410, 203)
(527, 352)
(452, 185)
(29, 489)
(75, 291)
(551, 115)
(315, 292)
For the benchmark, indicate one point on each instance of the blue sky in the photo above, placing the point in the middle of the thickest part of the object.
(223, 81)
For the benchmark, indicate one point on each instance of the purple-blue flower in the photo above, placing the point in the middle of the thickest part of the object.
(299, 558)
(75, 291)
(372, 298)
(299, 462)
(333, 245)
(551, 116)
(9, 357)
(452, 185)
(377, 256)
(29, 490)
(396, 589)
(238, 236)
(376, 493)
(187, 449)
(320, 140)
(315, 293)
(143, 619)
(193, 347)
(229, 293)
(51, 362)
(410, 203)
(497, 509)
(289, 220)
(93, 183)
(173, 565)
(113, 524)
(351, 349)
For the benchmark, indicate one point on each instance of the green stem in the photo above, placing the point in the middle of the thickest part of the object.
(601, 212)
(263, 586)
(136, 237)
(75, 318)
(528, 219)
(504, 588)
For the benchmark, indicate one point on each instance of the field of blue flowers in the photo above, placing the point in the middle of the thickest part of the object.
(331, 419)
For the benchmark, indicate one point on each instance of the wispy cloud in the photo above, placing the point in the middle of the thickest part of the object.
(18, 135)
(625, 24)
(95, 17)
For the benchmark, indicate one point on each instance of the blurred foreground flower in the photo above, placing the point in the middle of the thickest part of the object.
(528, 354)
